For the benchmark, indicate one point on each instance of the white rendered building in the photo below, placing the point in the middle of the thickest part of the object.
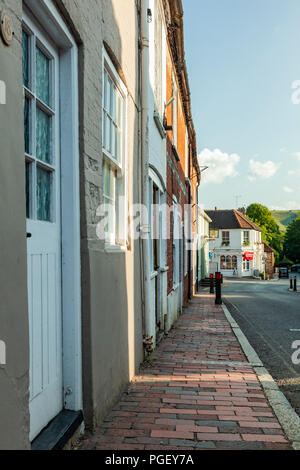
(235, 244)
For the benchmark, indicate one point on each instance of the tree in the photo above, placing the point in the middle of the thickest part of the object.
(292, 241)
(271, 233)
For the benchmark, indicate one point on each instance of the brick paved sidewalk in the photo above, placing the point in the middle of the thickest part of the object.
(198, 393)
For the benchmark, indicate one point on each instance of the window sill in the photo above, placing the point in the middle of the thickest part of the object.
(159, 125)
(112, 160)
(165, 269)
(115, 249)
(175, 153)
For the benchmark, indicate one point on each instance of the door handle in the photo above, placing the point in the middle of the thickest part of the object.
(29, 235)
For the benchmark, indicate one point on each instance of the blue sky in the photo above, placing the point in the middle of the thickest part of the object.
(243, 57)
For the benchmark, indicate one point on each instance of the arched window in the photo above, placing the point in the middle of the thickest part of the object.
(228, 262)
(223, 262)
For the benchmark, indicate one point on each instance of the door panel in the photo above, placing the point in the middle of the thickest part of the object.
(41, 89)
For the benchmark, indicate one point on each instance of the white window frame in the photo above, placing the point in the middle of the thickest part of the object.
(117, 235)
(246, 239)
(246, 265)
(51, 111)
(225, 239)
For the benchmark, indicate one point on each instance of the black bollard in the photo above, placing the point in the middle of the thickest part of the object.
(295, 284)
(291, 283)
(218, 289)
(212, 290)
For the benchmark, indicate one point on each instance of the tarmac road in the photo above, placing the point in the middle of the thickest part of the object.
(266, 313)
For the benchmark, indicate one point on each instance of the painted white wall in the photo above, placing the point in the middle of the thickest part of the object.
(203, 244)
(157, 145)
(237, 248)
(157, 149)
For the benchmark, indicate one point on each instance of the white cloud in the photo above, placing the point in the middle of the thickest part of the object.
(221, 165)
(258, 170)
(283, 150)
(287, 189)
(294, 172)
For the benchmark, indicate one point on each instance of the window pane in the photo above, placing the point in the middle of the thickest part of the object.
(43, 130)
(112, 100)
(118, 146)
(110, 215)
(106, 215)
(27, 125)
(114, 103)
(26, 52)
(107, 185)
(113, 141)
(43, 194)
(42, 77)
(108, 94)
(110, 133)
(28, 186)
(109, 176)
(119, 111)
(105, 90)
(104, 130)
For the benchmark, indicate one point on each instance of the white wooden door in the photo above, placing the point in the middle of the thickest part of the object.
(42, 157)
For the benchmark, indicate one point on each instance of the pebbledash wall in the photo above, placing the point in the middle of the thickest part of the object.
(111, 304)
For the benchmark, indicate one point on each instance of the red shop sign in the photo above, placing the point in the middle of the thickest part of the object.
(248, 256)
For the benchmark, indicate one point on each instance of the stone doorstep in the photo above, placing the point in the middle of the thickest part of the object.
(61, 432)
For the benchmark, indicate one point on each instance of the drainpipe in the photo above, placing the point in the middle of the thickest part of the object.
(144, 45)
(190, 229)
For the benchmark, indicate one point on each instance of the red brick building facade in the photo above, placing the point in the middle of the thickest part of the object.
(270, 261)
(183, 172)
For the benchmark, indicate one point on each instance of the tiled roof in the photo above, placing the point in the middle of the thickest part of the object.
(230, 219)
(267, 248)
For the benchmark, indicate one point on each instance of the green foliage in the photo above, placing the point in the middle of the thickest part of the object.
(292, 241)
(271, 233)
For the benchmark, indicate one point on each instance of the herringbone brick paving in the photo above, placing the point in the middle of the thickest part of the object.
(190, 396)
